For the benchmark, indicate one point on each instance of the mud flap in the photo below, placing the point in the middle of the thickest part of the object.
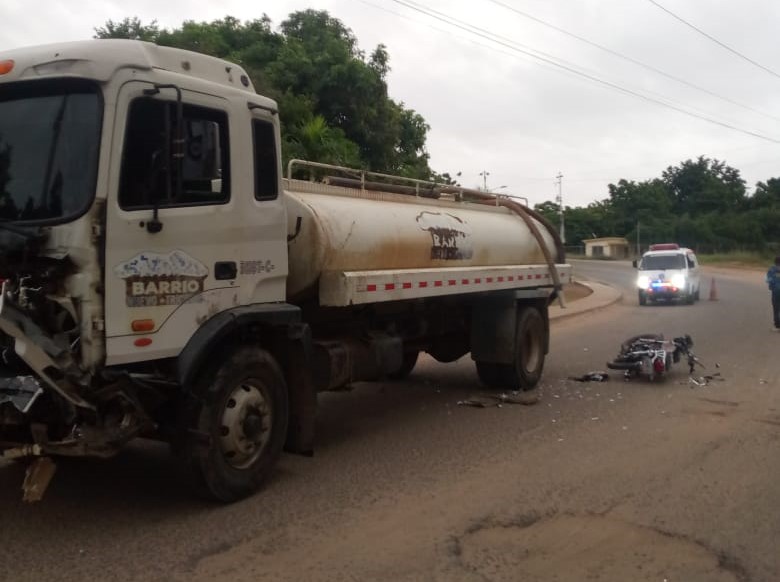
(302, 395)
(37, 479)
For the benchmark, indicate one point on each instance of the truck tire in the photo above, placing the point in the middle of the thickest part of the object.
(526, 371)
(409, 362)
(237, 422)
(532, 339)
(490, 374)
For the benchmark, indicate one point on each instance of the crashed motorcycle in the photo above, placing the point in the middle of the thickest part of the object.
(651, 356)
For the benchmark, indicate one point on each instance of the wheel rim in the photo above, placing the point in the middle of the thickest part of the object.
(245, 426)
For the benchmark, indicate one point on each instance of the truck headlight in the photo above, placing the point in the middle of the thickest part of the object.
(678, 281)
(643, 281)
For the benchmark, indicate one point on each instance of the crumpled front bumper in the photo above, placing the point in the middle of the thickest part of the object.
(30, 344)
(21, 391)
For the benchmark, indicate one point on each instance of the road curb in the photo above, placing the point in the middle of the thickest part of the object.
(603, 296)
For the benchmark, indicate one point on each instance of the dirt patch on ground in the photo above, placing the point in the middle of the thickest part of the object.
(589, 548)
(575, 291)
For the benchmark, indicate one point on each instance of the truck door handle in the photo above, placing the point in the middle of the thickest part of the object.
(225, 270)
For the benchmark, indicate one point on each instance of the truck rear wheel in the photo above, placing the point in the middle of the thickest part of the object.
(491, 374)
(531, 339)
(237, 423)
(526, 371)
(408, 364)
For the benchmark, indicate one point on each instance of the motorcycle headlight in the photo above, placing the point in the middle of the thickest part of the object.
(678, 281)
(643, 281)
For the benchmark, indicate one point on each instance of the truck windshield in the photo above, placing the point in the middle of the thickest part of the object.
(49, 144)
(661, 262)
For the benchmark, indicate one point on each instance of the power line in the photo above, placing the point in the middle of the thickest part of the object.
(436, 28)
(631, 60)
(492, 37)
(715, 40)
(530, 50)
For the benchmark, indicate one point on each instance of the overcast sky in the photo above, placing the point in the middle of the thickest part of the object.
(494, 109)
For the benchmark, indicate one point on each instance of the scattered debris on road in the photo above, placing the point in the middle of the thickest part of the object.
(497, 400)
(705, 380)
(591, 377)
(651, 355)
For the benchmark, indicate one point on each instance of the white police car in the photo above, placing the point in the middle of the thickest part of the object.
(667, 271)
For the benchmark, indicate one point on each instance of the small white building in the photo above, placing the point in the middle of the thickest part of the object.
(613, 247)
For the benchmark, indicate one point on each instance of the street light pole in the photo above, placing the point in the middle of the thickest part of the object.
(484, 174)
(559, 200)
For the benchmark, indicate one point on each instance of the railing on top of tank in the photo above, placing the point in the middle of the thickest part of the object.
(413, 186)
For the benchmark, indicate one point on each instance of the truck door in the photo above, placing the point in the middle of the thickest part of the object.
(182, 221)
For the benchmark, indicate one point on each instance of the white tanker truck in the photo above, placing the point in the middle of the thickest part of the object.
(160, 278)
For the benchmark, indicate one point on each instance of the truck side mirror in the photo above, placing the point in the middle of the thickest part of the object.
(634, 263)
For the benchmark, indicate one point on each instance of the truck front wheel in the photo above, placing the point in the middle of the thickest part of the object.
(236, 424)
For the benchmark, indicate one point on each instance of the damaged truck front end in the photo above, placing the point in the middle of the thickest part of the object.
(50, 405)
(50, 402)
(52, 399)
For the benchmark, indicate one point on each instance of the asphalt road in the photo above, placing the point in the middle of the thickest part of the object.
(615, 481)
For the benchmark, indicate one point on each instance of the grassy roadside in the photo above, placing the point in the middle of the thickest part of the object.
(738, 259)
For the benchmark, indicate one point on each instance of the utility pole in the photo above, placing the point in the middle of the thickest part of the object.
(559, 201)
(484, 174)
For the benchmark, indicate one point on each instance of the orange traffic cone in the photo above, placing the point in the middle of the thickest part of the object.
(713, 291)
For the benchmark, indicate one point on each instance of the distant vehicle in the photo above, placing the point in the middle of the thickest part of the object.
(668, 271)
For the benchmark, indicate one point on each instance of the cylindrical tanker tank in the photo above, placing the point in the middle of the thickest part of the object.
(342, 229)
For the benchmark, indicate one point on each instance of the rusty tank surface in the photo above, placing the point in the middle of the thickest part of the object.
(337, 228)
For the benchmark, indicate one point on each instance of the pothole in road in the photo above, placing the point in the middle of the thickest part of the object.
(567, 548)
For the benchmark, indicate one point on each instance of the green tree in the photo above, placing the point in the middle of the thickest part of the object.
(705, 185)
(550, 210)
(766, 195)
(129, 28)
(644, 202)
(314, 139)
(320, 59)
(333, 101)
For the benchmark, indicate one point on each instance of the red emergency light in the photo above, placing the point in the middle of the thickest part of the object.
(665, 247)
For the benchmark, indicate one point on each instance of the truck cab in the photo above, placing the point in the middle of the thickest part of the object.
(666, 272)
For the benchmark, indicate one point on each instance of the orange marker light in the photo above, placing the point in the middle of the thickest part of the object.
(6, 66)
(142, 325)
(142, 342)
